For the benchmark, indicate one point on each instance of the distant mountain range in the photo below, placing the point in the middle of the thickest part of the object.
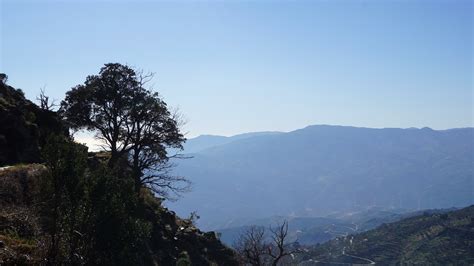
(320, 170)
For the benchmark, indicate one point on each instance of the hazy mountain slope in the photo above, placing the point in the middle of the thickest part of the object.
(305, 230)
(203, 142)
(319, 170)
(313, 230)
(427, 239)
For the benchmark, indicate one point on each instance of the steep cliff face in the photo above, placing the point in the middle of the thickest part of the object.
(24, 127)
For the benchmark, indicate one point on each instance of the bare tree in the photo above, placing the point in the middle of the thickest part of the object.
(255, 250)
(279, 247)
(45, 102)
(251, 246)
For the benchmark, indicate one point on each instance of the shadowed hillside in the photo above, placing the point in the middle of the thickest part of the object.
(24, 127)
(428, 239)
(77, 208)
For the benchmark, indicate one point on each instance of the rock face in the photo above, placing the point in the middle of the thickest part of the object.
(171, 236)
(23, 127)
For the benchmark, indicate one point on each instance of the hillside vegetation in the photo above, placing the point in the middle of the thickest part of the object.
(61, 205)
(23, 240)
(444, 238)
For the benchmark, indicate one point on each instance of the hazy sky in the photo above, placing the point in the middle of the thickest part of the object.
(240, 66)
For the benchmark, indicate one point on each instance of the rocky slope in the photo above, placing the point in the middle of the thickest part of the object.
(24, 127)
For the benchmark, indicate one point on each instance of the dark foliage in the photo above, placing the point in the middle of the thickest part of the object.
(90, 215)
(133, 122)
(24, 127)
(80, 208)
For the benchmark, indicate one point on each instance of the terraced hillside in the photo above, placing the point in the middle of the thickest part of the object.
(430, 238)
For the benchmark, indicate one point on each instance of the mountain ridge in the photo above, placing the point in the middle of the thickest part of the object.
(217, 140)
(319, 169)
(206, 141)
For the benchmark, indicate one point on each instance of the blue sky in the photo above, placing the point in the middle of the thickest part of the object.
(241, 66)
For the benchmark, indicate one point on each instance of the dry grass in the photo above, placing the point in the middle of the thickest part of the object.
(19, 225)
(19, 184)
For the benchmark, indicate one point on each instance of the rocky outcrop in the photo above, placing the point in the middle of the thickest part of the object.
(23, 127)
(173, 236)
